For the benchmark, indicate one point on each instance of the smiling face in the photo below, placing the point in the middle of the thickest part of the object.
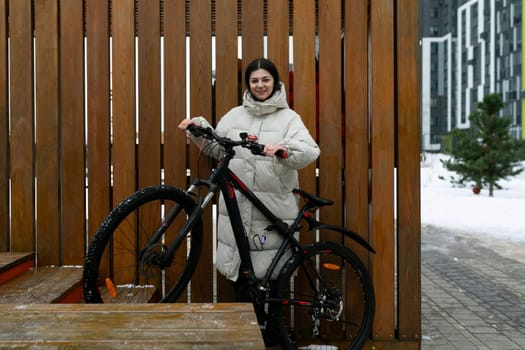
(261, 84)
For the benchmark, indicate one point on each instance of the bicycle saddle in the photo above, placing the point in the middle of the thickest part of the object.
(310, 198)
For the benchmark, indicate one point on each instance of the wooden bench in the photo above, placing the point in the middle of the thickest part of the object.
(130, 326)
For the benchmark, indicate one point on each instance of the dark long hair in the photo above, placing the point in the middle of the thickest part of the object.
(263, 63)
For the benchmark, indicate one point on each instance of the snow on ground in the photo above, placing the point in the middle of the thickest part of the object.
(497, 221)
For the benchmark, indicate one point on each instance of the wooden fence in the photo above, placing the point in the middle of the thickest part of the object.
(92, 92)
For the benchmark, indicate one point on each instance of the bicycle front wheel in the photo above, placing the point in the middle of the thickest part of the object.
(122, 267)
(325, 297)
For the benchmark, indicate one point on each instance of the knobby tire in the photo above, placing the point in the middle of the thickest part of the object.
(117, 253)
(325, 280)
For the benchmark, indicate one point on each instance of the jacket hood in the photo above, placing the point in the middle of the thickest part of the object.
(272, 104)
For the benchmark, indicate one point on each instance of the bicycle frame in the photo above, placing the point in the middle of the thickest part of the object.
(222, 178)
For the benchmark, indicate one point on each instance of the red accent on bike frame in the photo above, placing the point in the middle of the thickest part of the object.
(238, 181)
(232, 191)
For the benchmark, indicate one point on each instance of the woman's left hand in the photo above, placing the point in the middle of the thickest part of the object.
(270, 150)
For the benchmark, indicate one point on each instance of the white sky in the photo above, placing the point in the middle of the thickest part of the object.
(501, 216)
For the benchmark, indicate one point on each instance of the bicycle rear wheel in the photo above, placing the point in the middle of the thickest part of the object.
(326, 298)
(119, 269)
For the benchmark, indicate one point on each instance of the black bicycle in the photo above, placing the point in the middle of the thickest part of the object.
(147, 248)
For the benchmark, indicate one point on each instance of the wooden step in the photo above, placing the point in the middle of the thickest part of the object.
(130, 326)
(128, 294)
(44, 285)
(14, 264)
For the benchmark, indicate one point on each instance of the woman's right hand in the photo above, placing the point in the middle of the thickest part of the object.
(187, 122)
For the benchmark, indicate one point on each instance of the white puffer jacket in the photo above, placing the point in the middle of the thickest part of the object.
(270, 178)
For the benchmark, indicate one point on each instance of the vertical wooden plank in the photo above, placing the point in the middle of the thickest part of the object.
(226, 87)
(330, 108)
(278, 32)
(123, 94)
(304, 97)
(98, 112)
(149, 166)
(123, 121)
(22, 126)
(382, 143)
(200, 104)
(73, 215)
(227, 82)
(149, 92)
(4, 134)
(175, 160)
(408, 168)
(330, 126)
(356, 116)
(175, 155)
(356, 131)
(47, 152)
(304, 76)
(252, 31)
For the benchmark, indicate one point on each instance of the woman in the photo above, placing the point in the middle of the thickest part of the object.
(265, 114)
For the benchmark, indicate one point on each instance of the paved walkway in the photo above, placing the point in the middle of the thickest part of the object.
(473, 297)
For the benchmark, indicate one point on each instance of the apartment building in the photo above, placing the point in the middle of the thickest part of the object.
(469, 48)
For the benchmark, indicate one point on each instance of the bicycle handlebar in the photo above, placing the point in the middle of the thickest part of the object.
(246, 141)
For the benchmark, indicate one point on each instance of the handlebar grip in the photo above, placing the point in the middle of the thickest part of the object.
(193, 129)
(258, 149)
(281, 154)
(198, 131)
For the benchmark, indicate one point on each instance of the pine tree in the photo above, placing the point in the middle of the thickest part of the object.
(486, 153)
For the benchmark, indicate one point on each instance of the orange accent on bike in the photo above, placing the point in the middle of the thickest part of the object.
(111, 287)
(333, 267)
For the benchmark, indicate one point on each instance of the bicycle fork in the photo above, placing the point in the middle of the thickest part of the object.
(164, 260)
(195, 215)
